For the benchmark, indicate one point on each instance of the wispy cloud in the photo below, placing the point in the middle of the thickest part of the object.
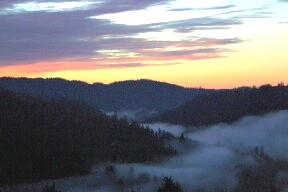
(59, 32)
(69, 38)
(204, 8)
(47, 7)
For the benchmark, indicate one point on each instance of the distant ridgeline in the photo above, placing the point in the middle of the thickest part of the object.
(228, 106)
(126, 95)
(41, 139)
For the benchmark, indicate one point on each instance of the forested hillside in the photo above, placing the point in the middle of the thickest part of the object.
(228, 106)
(41, 139)
(127, 95)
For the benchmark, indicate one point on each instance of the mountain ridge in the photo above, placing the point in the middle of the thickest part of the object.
(122, 95)
(227, 106)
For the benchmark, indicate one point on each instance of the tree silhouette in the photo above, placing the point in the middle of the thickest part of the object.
(182, 138)
(50, 188)
(169, 185)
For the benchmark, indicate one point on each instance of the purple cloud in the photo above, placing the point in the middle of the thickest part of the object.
(31, 37)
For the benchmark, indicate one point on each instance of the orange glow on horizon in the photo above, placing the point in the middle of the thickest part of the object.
(260, 60)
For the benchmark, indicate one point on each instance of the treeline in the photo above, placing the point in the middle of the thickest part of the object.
(42, 139)
(269, 175)
(126, 95)
(228, 106)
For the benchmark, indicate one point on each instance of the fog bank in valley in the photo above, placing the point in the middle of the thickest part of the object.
(221, 152)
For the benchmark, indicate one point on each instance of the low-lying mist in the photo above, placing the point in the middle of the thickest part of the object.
(175, 130)
(221, 152)
(133, 115)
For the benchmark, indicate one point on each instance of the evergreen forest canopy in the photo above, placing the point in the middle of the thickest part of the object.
(51, 128)
(227, 106)
(43, 139)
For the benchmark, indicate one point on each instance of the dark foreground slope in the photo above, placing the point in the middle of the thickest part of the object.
(228, 106)
(42, 139)
(127, 95)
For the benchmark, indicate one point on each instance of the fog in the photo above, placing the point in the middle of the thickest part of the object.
(221, 152)
(175, 130)
(135, 115)
(269, 131)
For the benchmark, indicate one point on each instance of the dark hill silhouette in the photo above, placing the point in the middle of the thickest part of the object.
(126, 95)
(42, 139)
(228, 106)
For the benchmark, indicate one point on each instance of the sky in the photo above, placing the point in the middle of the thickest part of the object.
(193, 43)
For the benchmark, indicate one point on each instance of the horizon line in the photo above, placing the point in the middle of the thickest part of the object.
(146, 79)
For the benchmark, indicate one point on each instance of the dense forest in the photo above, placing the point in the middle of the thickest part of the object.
(126, 95)
(52, 137)
(41, 139)
(228, 106)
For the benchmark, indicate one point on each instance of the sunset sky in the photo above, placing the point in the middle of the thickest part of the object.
(207, 43)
